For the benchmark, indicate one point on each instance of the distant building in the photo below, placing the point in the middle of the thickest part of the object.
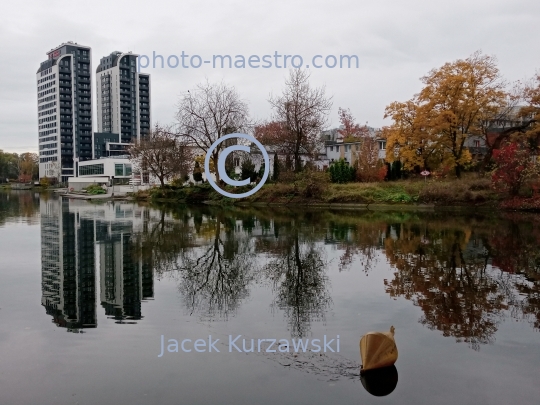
(64, 110)
(123, 98)
(338, 148)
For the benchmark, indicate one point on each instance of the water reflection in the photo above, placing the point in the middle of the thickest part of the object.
(297, 270)
(466, 273)
(19, 206)
(466, 276)
(216, 274)
(80, 241)
(380, 382)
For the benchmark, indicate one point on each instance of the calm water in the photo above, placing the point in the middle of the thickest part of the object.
(87, 291)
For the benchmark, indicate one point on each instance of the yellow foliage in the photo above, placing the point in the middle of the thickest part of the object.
(430, 130)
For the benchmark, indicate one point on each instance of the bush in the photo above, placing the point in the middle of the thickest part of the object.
(248, 170)
(177, 182)
(311, 183)
(95, 189)
(44, 182)
(341, 172)
(197, 172)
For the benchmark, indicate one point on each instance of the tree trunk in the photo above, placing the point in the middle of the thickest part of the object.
(458, 171)
(215, 159)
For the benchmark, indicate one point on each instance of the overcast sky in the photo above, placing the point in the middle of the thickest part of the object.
(397, 42)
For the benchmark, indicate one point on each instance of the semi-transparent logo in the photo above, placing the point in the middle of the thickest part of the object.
(221, 165)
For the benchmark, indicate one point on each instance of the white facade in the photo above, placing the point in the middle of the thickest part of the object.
(49, 121)
(64, 103)
(114, 113)
(106, 167)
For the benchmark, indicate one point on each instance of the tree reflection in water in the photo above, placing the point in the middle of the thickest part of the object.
(466, 273)
(466, 276)
(215, 277)
(297, 270)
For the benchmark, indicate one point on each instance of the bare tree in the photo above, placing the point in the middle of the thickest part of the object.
(209, 112)
(162, 154)
(55, 171)
(303, 111)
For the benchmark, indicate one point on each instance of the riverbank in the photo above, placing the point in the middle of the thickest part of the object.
(404, 194)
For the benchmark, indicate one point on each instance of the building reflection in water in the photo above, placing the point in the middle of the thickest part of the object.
(81, 242)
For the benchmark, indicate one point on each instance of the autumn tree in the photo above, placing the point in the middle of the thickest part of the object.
(531, 112)
(162, 154)
(513, 167)
(273, 133)
(506, 123)
(415, 146)
(209, 112)
(455, 101)
(9, 163)
(28, 167)
(368, 165)
(302, 112)
(349, 129)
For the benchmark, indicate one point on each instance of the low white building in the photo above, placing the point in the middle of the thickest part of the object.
(106, 171)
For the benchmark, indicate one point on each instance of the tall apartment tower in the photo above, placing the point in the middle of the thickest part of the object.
(123, 99)
(64, 110)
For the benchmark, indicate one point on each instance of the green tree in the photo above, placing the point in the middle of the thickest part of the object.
(261, 170)
(341, 172)
(248, 170)
(197, 173)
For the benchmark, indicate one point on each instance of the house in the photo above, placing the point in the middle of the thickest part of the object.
(338, 148)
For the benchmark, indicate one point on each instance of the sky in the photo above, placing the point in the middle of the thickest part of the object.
(396, 42)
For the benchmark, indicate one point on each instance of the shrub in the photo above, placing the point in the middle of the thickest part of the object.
(197, 172)
(341, 172)
(44, 182)
(311, 183)
(95, 189)
(248, 170)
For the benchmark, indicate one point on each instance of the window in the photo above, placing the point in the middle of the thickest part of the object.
(331, 148)
(122, 169)
(476, 144)
(382, 145)
(90, 170)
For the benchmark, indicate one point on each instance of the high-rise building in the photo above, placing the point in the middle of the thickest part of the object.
(123, 101)
(64, 110)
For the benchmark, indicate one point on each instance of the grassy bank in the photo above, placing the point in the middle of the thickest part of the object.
(468, 191)
(472, 191)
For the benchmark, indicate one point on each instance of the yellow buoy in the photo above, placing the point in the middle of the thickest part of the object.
(378, 349)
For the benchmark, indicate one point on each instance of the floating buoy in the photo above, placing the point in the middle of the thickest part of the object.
(378, 350)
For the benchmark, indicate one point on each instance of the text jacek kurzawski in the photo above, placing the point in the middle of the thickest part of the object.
(239, 344)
